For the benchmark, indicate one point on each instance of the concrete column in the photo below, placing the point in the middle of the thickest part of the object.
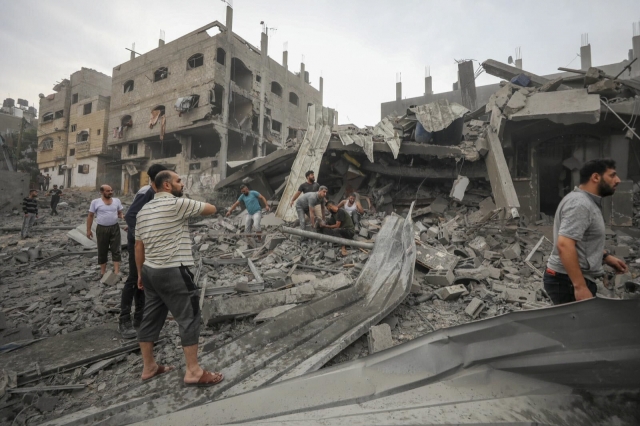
(585, 57)
(264, 49)
(619, 151)
(467, 84)
(302, 71)
(428, 86)
(229, 21)
(335, 115)
(160, 42)
(399, 91)
(285, 60)
(519, 63)
(132, 56)
(224, 136)
(635, 41)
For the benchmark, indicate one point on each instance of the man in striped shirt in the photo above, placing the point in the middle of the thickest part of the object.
(30, 209)
(163, 257)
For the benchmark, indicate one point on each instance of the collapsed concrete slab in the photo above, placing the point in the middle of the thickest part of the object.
(563, 107)
(79, 235)
(504, 192)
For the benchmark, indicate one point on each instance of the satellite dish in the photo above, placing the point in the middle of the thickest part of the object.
(510, 60)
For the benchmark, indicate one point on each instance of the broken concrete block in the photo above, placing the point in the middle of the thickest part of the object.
(302, 278)
(364, 233)
(491, 255)
(379, 338)
(593, 75)
(433, 232)
(502, 96)
(534, 305)
(469, 263)
(443, 236)
(512, 295)
(440, 277)
(110, 278)
(516, 103)
(204, 248)
(451, 292)
(432, 258)
(274, 242)
(480, 273)
(459, 187)
(620, 280)
(606, 88)
(299, 294)
(100, 365)
(551, 86)
(479, 244)
(269, 313)
(46, 404)
(439, 205)
(474, 307)
(21, 257)
(512, 252)
(482, 146)
(494, 273)
(622, 251)
(331, 284)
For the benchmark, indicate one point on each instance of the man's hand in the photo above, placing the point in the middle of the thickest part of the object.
(126, 228)
(140, 285)
(228, 213)
(582, 292)
(267, 208)
(291, 203)
(616, 264)
(90, 234)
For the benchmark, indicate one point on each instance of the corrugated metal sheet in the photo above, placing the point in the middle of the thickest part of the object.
(319, 123)
(438, 115)
(364, 137)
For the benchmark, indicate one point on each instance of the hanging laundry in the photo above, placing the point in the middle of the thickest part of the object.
(155, 114)
(163, 126)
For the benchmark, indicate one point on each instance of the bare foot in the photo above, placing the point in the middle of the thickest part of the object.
(155, 371)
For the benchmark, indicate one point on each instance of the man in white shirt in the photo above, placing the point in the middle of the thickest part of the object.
(163, 257)
(106, 210)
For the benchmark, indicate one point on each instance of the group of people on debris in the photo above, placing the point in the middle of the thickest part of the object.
(160, 255)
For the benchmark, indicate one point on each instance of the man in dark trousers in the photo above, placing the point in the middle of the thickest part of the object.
(55, 199)
(107, 211)
(41, 180)
(579, 234)
(130, 292)
(339, 224)
(309, 186)
(30, 209)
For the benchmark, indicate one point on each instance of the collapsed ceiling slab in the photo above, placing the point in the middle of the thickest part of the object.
(564, 107)
(438, 115)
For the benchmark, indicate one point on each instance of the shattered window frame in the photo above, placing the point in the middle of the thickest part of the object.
(195, 61)
(46, 144)
(83, 136)
(47, 118)
(74, 127)
(128, 86)
(58, 114)
(160, 74)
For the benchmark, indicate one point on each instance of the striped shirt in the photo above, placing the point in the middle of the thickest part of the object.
(163, 227)
(30, 205)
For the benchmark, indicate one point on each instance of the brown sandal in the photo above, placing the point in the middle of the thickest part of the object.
(207, 379)
(161, 370)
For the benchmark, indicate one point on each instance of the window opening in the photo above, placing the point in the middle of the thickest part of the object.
(293, 98)
(87, 108)
(160, 74)
(276, 88)
(128, 86)
(195, 61)
(220, 55)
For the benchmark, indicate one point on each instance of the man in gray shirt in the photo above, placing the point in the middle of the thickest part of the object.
(579, 234)
(306, 204)
(106, 210)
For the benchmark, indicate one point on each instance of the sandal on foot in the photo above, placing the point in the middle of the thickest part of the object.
(207, 379)
(161, 370)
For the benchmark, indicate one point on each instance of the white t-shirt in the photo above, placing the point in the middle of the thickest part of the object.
(106, 214)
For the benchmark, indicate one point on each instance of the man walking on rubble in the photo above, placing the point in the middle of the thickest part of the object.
(309, 186)
(130, 292)
(579, 236)
(41, 180)
(306, 205)
(107, 210)
(163, 257)
(55, 199)
(30, 209)
(339, 224)
(251, 200)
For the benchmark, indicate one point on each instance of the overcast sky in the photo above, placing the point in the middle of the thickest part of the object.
(357, 45)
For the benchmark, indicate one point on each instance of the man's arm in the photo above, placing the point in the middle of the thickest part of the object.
(569, 258)
(334, 226)
(312, 215)
(139, 261)
(266, 203)
(618, 264)
(208, 210)
(120, 214)
(24, 206)
(232, 208)
(359, 207)
(295, 197)
(89, 225)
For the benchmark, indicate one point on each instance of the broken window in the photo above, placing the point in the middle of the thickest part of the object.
(47, 117)
(58, 114)
(195, 61)
(276, 126)
(73, 127)
(126, 121)
(72, 152)
(99, 132)
(128, 86)
(87, 108)
(82, 136)
(74, 98)
(186, 104)
(220, 55)
(215, 99)
(83, 169)
(46, 144)
(133, 149)
(194, 166)
(276, 88)
(205, 146)
(293, 98)
(258, 78)
(241, 75)
(61, 169)
(241, 112)
(160, 74)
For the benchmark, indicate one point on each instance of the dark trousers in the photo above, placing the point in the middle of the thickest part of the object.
(338, 232)
(54, 205)
(130, 292)
(560, 289)
(108, 239)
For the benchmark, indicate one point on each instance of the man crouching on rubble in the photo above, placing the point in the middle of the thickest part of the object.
(339, 224)
(306, 206)
(579, 234)
(163, 255)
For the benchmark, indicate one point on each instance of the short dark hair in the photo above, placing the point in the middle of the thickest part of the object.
(32, 190)
(101, 188)
(55, 186)
(243, 186)
(162, 177)
(154, 170)
(598, 166)
(310, 172)
(330, 203)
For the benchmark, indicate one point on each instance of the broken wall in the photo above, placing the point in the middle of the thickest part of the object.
(15, 186)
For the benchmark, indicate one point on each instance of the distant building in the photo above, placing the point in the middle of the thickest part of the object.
(72, 132)
(202, 101)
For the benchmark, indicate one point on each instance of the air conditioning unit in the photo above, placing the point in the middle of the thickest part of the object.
(64, 167)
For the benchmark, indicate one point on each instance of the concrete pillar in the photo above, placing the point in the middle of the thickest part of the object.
(630, 54)
(321, 91)
(467, 84)
(585, 57)
(224, 136)
(302, 71)
(428, 86)
(619, 151)
(264, 49)
(519, 63)
(133, 55)
(399, 91)
(285, 59)
(160, 42)
(335, 116)
(229, 21)
(636, 46)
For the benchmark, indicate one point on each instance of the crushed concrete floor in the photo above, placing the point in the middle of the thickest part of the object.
(470, 265)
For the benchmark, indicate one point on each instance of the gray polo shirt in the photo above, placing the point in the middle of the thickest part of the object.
(308, 200)
(579, 217)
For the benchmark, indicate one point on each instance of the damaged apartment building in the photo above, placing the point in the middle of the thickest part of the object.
(203, 105)
(72, 131)
(542, 132)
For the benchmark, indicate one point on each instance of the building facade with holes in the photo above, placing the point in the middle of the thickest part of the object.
(203, 103)
(72, 134)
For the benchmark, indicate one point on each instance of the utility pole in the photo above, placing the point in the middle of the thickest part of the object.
(19, 143)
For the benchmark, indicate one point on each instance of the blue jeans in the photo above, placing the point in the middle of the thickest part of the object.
(27, 223)
(560, 288)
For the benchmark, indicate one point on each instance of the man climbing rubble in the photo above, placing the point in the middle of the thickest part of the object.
(30, 209)
(339, 224)
(306, 205)
(130, 291)
(309, 186)
(251, 200)
(579, 236)
(106, 210)
(163, 257)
